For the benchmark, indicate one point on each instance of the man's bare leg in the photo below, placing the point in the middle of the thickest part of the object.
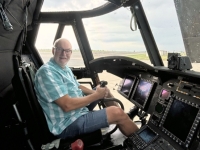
(111, 103)
(116, 115)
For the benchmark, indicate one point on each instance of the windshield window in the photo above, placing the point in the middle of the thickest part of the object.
(45, 39)
(76, 58)
(164, 23)
(110, 35)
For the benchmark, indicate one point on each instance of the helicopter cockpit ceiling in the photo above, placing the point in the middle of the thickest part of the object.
(124, 3)
(72, 5)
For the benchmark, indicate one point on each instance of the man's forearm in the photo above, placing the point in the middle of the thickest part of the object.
(86, 90)
(67, 103)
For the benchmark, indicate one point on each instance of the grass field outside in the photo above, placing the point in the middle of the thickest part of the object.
(135, 55)
(143, 56)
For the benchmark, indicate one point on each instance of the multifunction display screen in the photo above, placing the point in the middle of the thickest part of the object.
(180, 119)
(142, 92)
(127, 86)
(147, 135)
(164, 94)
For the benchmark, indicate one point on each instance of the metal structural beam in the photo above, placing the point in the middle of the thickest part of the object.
(189, 19)
(146, 33)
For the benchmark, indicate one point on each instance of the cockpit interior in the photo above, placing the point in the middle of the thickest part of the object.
(165, 94)
(171, 99)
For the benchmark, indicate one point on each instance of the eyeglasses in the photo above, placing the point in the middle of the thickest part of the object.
(68, 51)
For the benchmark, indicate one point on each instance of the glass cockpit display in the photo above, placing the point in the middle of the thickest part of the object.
(127, 86)
(164, 94)
(147, 135)
(144, 137)
(142, 92)
(181, 120)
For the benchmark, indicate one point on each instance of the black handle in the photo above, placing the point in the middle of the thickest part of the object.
(103, 83)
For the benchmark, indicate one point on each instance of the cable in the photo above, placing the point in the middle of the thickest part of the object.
(6, 23)
(135, 23)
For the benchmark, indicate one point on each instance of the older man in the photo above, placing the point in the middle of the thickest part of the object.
(66, 109)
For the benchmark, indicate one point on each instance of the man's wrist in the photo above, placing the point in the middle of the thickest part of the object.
(97, 95)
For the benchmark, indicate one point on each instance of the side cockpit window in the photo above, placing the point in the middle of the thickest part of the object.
(45, 39)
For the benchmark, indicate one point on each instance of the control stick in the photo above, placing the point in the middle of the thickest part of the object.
(103, 83)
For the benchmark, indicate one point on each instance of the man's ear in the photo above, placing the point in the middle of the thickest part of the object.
(53, 51)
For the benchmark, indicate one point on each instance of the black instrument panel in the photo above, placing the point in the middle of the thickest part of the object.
(170, 97)
(174, 111)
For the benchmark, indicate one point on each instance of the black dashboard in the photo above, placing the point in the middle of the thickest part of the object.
(170, 97)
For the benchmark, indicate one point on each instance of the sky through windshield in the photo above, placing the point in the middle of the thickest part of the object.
(160, 14)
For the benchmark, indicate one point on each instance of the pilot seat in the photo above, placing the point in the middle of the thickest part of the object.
(30, 113)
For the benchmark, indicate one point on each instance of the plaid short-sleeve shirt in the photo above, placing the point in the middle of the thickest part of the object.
(52, 82)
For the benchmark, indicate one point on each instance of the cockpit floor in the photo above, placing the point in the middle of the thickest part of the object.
(112, 142)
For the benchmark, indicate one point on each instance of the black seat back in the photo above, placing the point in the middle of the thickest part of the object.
(29, 107)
